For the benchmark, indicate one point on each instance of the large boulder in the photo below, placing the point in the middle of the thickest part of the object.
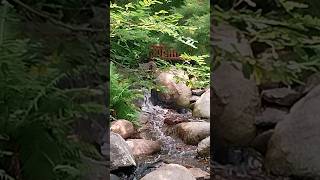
(120, 153)
(235, 104)
(176, 90)
(295, 144)
(202, 106)
(170, 172)
(193, 132)
(123, 127)
(143, 146)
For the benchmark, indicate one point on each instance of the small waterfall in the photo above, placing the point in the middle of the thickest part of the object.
(157, 116)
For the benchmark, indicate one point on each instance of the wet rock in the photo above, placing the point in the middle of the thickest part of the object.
(143, 146)
(198, 92)
(114, 177)
(260, 143)
(203, 148)
(202, 106)
(294, 147)
(235, 104)
(193, 132)
(281, 96)
(122, 127)
(194, 98)
(199, 174)
(270, 117)
(172, 120)
(177, 92)
(120, 153)
(170, 172)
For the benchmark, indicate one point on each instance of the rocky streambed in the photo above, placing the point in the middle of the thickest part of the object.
(262, 132)
(166, 144)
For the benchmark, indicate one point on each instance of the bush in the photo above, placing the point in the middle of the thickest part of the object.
(122, 97)
(288, 36)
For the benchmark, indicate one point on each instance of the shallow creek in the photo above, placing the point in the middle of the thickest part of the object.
(173, 150)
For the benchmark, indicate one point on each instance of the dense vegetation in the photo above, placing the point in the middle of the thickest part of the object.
(52, 64)
(284, 37)
(137, 25)
(43, 92)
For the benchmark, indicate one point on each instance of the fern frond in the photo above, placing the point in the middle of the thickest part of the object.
(5, 176)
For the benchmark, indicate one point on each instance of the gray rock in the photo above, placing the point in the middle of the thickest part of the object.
(295, 145)
(170, 172)
(260, 143)
(174, 82)
(203, 148)
(123, 127)
(202, 106)
(141, 147)
(235, 104)
(281, 96)
(193, 132)
(120, 153)
(270, 117)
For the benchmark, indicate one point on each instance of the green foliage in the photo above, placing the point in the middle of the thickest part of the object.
(122, 96)
(290, 38)
(35, 115)
(34, 132)
(135, 27)
(200, 72)
(196, 13)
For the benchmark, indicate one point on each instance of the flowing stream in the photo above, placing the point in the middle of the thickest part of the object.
(173, 150)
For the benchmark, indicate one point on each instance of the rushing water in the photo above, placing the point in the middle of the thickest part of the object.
(173, 150)
(156, 116)
(171, 146)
